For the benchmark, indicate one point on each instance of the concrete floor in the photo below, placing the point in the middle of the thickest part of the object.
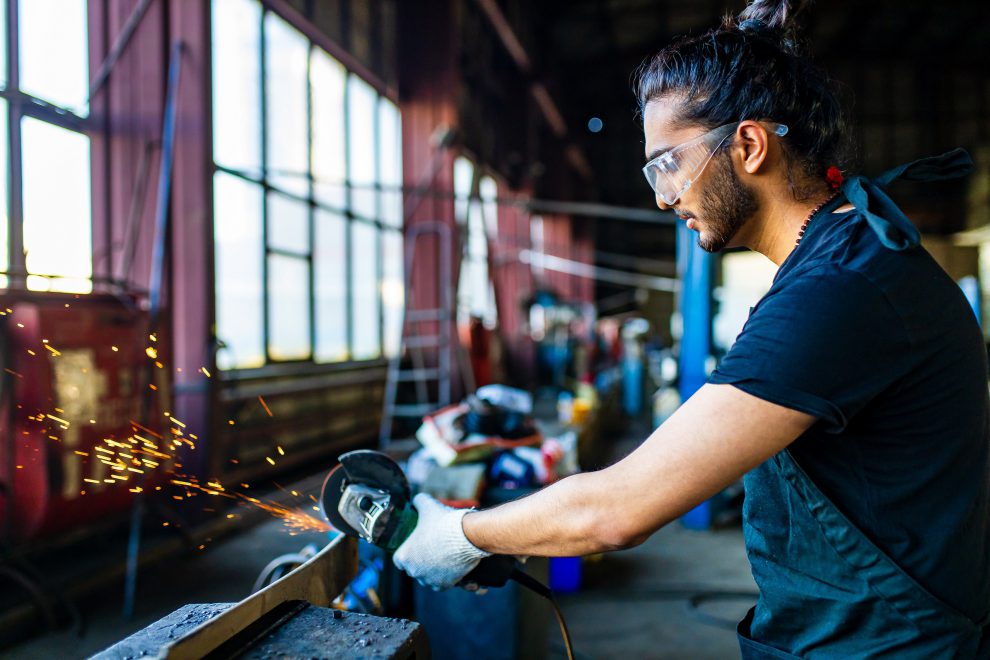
(634, 603)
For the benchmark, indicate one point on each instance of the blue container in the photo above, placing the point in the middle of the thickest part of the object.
(565, 574)
(632, 386)
(507, 623)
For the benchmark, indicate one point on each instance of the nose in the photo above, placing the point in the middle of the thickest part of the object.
(664, 206)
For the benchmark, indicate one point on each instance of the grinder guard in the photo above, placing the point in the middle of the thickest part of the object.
(389, 518)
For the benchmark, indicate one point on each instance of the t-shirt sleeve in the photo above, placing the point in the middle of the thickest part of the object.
(826, 342)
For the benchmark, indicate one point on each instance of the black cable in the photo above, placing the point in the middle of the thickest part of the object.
(708, 619)
(694, 596)
(541, 589)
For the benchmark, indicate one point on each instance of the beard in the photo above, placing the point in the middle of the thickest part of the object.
(726, 205)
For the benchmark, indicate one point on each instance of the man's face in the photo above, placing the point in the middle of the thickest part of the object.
(717, 204)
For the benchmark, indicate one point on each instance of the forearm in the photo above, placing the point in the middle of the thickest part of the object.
(566, 519)
(712, 440)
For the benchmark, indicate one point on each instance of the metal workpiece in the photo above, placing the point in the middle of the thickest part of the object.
(146, 643)
(304, 631)
(323, 633)
(289, 618)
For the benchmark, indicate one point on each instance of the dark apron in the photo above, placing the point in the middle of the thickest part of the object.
(825, 589)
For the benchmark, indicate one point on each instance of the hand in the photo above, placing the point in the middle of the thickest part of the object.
(437, 553)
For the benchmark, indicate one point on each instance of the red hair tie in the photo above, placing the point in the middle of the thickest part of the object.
(834, 177)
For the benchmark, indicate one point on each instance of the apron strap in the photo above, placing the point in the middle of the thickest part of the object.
(891, 226)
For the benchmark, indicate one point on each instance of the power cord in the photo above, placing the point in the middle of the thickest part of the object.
(693, 595)
(541, 589)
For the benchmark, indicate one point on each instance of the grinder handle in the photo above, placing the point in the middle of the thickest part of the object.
(493, 571)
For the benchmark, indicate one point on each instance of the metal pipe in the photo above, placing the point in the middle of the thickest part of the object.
(123, 39)
(417, 193)
(154, 297)
(581, 269)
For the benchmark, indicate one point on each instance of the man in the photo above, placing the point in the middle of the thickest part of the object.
(854, 400)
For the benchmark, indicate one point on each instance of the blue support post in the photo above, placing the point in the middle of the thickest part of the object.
(694, 269)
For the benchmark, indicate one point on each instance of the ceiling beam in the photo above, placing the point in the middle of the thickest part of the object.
(537, 89)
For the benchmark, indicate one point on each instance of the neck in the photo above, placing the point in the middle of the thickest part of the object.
(773, 231)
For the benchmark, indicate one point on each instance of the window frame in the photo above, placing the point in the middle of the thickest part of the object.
(352, 68)
(20, 104)
(475, 202)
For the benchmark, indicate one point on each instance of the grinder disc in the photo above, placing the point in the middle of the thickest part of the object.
(333, 488)
(375, 469)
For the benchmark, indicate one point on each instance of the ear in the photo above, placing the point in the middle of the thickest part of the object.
(754, 142)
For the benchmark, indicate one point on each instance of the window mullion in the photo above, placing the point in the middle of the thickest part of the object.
(349, 217)
(265, 303)
(15, 179)
(379, 216)
(312, 204)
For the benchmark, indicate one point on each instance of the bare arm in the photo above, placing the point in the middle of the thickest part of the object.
(718, 435)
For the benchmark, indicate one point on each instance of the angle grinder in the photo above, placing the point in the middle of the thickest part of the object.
(368, 496)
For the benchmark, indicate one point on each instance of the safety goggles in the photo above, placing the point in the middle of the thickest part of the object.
(671, 173)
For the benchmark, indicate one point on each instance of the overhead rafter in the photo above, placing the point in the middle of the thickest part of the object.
(537, 89)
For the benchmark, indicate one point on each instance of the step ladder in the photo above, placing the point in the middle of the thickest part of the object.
(426, 336)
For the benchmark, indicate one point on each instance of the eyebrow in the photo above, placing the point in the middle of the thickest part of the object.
(656, 152)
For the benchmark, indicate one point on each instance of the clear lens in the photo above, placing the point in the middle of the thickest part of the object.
(673, 172)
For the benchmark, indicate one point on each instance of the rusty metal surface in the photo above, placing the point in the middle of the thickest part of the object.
(146, 643)
(324, 633)
(314, 633)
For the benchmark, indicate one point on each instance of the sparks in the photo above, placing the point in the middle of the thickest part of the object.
(143, 428)
(57, 419)
(265, 406)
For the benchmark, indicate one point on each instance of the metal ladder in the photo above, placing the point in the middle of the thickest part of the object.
(419, 344)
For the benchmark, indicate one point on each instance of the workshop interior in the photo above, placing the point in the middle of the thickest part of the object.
(270, 268)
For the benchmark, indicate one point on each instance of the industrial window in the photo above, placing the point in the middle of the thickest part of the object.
(45, 183)
(307, 199)
(475, 208)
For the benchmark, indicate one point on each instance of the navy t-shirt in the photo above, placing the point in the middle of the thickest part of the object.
(882, 347)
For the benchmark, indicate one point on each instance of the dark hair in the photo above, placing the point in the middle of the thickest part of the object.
(752, 67)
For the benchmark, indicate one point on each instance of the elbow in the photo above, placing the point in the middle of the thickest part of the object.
(612, 534)
(607, 525)
(618, 532)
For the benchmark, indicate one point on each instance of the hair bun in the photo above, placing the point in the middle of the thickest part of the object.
(771, 15)
(753, 25)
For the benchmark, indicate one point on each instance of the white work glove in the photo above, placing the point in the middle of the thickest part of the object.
(437, 553)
